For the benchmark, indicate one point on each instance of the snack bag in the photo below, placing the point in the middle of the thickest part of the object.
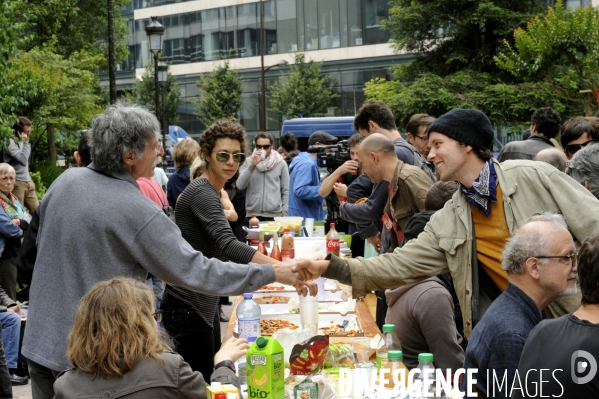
(308, 356)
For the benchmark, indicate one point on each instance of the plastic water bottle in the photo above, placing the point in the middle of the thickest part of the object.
(426, 367)
(248, 319)
(391, 344)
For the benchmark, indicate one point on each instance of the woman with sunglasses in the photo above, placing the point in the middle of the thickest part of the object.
(116, 348)
(266, 176)
(191, 318)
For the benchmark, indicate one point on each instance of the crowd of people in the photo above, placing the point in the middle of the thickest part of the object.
(477, 258)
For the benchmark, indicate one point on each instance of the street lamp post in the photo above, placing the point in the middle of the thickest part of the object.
(155, 32)
(263, 92)
(162, 77)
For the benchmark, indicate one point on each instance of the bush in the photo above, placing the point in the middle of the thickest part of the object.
(44, 175)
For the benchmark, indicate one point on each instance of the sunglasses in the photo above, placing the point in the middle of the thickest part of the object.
(265, 146)
(225, 156)
(572, 149)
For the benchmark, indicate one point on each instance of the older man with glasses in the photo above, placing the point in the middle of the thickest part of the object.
(541, 262)
(96, 225)
(266, 176)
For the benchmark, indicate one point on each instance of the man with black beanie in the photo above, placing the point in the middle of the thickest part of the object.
(467, 236)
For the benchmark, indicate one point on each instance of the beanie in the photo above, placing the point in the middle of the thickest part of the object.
(468, 126)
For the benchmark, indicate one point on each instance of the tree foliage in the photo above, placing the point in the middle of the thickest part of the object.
(12, 89)
(304, 91)
(506, 105)
(74, 26)
(452, 35)
(562, 49)
(144, 93)
(220, 94)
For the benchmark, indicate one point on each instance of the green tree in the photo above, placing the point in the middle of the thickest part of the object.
(220, 94)
(304, 91)
(13, 89)
(507, 105)
(452, 35)
(143, 93)
(73, 26)
(562, 49)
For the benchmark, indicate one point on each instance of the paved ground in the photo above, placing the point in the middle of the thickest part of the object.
(24, 392)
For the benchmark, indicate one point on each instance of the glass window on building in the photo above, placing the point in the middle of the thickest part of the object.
(286, 26)
(301, 25)
(328, 11)
(210, 30)
(311, 24)
(374, 13)
(270, 27)
(354, 22)
(194, 37)
(248, 34)
(249, 114)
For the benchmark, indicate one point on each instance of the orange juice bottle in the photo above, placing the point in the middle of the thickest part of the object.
(394, 362)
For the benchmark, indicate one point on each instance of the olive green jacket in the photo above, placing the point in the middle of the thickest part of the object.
(410, 185)
(446, 244)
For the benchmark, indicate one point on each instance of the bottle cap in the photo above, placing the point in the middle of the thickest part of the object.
(287, 230)
(426, 357)
(388, 327)
(332, 224)
(220, 395)
(215, 384)
(395, 355)
(253, 215)
(261, 342)
(248, 296)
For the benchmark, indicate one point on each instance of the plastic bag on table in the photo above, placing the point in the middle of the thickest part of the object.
(308, 357)
(289, 338)
(314, 386)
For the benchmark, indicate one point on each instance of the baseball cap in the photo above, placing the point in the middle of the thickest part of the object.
(321, 137)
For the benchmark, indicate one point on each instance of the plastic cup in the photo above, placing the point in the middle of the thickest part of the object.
(361, 348)
(309, 313)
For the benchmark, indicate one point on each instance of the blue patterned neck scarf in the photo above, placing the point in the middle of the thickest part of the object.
(483, 190)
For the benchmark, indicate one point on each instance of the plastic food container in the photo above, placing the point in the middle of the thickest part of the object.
(294, 223)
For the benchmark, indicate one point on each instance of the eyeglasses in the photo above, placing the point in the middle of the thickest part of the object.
(572, 149)
(265, 146)
(225, 156)
(157, 315)
(572, 257)
(7, 178)
(423, 138)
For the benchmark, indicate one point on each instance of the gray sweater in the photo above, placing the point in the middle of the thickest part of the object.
(267, 192)
(17, 153)
(96, 226)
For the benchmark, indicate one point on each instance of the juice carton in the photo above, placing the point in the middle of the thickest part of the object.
(216, 387)
(266, 369)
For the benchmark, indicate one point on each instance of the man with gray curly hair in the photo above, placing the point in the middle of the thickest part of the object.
(584, 168)
(541, 264)
(95, 225)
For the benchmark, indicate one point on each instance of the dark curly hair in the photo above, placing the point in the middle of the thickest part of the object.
(226, 128)
(547, 121)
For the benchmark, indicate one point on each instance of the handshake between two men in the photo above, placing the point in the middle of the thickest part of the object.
(300, 274)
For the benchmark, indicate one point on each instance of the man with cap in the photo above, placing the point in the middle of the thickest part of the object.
(467, 236)
(304, 180)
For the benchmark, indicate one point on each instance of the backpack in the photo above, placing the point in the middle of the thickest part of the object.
(419, 160)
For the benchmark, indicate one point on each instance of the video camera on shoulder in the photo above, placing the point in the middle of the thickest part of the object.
(331, 160)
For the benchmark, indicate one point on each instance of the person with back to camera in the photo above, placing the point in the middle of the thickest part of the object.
(288, 148)
(184, 153)
(117, 351)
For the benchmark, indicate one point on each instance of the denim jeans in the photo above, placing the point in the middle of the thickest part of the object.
(5, 383)
(11, 335)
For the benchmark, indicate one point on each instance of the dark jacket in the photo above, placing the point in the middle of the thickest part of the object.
(498, 339)
(177, 183)
(526, 149)
(148, 379)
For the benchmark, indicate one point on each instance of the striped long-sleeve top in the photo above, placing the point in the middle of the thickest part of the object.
(200, 217)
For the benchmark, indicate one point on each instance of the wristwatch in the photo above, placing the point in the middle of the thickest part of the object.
(225, 363)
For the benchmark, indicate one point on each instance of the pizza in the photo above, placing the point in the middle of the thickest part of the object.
(272, 299)
(335, 329)
(272, 288)
(269, 327)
